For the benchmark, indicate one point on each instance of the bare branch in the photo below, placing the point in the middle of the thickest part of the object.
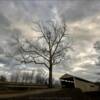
(58, 43)
(41, 63)
(42, 30)
(33, 51)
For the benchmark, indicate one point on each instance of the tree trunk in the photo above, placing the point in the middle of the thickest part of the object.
(50, 76)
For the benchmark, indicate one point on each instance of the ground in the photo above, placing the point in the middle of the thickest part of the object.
(50, 94)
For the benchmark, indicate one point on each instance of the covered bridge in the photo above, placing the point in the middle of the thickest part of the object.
(69, 81)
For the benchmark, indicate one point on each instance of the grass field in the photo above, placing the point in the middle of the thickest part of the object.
(50, 94)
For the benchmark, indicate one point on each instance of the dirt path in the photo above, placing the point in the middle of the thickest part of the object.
(28, 93)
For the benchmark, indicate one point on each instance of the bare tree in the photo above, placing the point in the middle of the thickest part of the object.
(32, 78)
(48, 48)
(14, 77)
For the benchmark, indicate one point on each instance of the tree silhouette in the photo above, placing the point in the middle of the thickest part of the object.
(48, 48)
(3, 78)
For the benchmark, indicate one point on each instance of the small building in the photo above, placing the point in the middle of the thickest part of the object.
(69, 81)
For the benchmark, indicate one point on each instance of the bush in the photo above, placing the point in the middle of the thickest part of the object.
(3, 79)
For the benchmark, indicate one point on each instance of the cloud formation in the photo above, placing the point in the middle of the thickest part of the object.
(82, 17)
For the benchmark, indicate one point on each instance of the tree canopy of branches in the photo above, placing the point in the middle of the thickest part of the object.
(48, 48)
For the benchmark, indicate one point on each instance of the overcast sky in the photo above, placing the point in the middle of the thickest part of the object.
(81, 16)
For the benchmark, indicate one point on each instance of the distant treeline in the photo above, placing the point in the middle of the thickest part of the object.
(27, 79)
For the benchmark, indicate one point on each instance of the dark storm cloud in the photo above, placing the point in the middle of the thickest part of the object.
(5, 33)
(4, 26)
(71, 10)
(1, 50)
(4, 60)
(80, 9)
(4, 21)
